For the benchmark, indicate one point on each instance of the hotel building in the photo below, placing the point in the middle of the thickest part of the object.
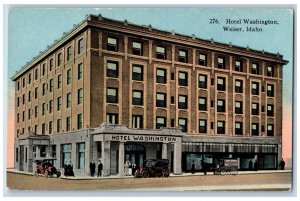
(117, 91)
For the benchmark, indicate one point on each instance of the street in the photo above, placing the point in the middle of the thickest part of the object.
(262, 181)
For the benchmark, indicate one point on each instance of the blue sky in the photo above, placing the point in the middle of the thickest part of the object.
(30, 30)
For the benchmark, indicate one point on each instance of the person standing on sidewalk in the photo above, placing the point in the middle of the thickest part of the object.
(282, 164)
(193, 167)
(203, 164)
(92, 168)
(250, 164)
(100, 168)
(255, 165)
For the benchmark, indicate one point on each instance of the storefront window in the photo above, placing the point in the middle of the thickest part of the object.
(66, 153)
(81, 155)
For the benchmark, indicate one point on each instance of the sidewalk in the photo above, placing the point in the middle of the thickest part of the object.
(171, 175)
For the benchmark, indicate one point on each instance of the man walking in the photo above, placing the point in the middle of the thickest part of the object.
(92, 168)
(100, 168)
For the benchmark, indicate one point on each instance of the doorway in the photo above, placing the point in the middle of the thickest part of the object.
(135, 153)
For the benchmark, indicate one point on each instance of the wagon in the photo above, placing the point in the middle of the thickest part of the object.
(227, 166)
(44, 166)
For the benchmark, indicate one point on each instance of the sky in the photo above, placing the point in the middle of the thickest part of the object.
(31, 30)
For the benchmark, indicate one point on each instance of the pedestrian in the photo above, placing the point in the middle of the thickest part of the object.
(126, 168)
(92, 168)
(66, 169)
(203, 164)
(193, 167)
(70, 170)
(129, 168)
(250, 164)
(100, 168)
(133, 168)
(282, 164)
(255, 165)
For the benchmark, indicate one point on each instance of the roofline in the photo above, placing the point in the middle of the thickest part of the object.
(79, 27)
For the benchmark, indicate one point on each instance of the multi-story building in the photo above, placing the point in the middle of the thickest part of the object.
(227, 100)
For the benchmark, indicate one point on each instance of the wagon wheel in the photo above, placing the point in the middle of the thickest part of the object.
(223, 171)
(46, 174)
(36, 174)
(234, 171)
(145, 174)
(165, 173)
(58, 174)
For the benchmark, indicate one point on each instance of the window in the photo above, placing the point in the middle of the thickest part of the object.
(29, 96)
(50, 106)
(112, 95)
(221, 84)
(17, 154)
(29, 113)
(202, 126)
(183, 79)
(221, 105)
(18, 101)
(68, 122)
(35, 93)
(112, 44)
(79, 96)
(161, 52)
(36, 111)
(59, 81)
(80, 71)
(270, 90)
(137, 121)
(29, 78)
(18, 86)
(270, 110)
(58, 129)
(79, 121)
(238, 66)
(203, 59)
(221, 127)
(51, 64)
(112, 118)
(81, 155)
(137, 98)
(51, 85)
(69, 53)
(66, 154)
(69, 99)
(221, 63)
(44, 69)
(238, 107)
(137, 48)
(112, 69)
(255, 69)
(43, 129)
(255, 129)
(58, 103)
(161, 76)
(182, 123)
(36, 74)
(238, 86)
(69, 76)
(202, 104)
(161, 100)
(43, 109)
(255, 88)
(24, 82)
(137, 72)
(182, 102)
(238, 128)
(183, 56)
(203, 81)
(80, 46)
(270, 71)
(23, 99)
(255, 109)
(59, 59)
(270, 131)
(160, 122)
(44, 89)
(50, 127)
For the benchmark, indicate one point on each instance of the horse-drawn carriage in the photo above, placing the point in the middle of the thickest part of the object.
(227, 166)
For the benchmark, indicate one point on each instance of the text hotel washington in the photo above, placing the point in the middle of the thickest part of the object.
(116, 91)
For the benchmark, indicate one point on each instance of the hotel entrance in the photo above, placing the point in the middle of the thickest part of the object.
(135, 153)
